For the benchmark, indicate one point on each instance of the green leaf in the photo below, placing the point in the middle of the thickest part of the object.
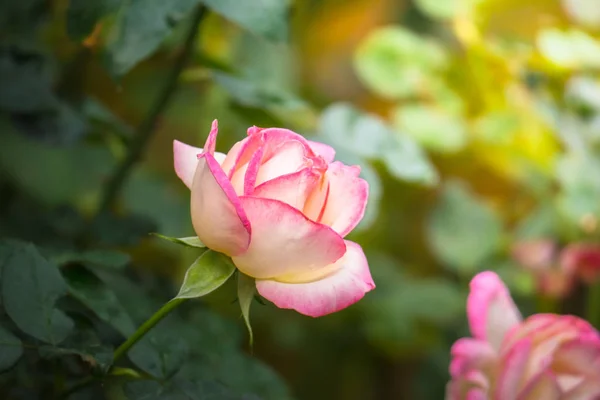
(91, 291)
(83, 345)
(256, 93)
(396, 63)
(423, 124)
(367, 136)
(246, 291)
(26, 81)
(571, 49)
(11, 349)
(446, 9)
(161, 353)
(462, 231)
(178, 390)
(207, 273)
(83, 15)
(103, 258)
(584, 12)
(191, 241)
(140, 28)
(266, 18)
(30, 288)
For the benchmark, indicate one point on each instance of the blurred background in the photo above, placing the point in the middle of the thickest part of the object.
(476, 123)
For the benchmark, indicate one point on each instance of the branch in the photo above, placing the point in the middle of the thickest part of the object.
(147, 127)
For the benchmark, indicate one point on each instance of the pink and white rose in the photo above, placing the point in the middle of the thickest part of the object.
(280, 207)
(545, 356)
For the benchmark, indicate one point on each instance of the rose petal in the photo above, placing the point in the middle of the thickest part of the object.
(511, 371)
(579, 356)
(323, 150)
(292, 189)
(290, 157)
(473, 383)
(586, 390)
(490, 309)
(347, 198)
(217, 214)
(468, 354)
(347, 284)
(544, 386)
(186, 161)
(284, 241)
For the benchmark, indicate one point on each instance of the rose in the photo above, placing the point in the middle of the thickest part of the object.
(546, 356)
(279, 206)
(541, 258)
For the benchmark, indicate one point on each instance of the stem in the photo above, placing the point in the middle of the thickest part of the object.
(146, 128)
(593, 305)
(146, 326)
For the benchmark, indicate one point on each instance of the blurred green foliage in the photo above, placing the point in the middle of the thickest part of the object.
(475, 122)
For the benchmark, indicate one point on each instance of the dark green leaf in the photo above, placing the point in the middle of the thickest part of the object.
(178, 390)
(10, 349)
(192, 241)
(207, 273)
(141, 26)
(26, 81)
(30, 288)
(102, 258)
(85, 346)
(462, 230)
(256, 93)
(246, 291)
(266, 18)
(83, 15)
(92, 292)
(161, 352)
(116, 230)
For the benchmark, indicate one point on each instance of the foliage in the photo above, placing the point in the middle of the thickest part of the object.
(475, 122)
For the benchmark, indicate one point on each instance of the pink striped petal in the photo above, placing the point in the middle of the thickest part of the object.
(473, 384)
(512, 370)
(468, 354)
(290, 157)
(347, 198)
(347, 282)
(284, 241)
(578, 356)
(217, 214)
(292, 189)
(186, 161)
(544, 386)
(323, 150)
(490, 309)
(586, 390)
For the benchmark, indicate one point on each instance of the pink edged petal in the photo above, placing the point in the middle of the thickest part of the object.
(251, 173)
(490, 309)
(543, 386)
(290, 157)
(211, 140)
(348, 282)
(186, 161)
(512, 370)
(185, 158)
(217, 214)
(473, 384)
(292, 189)
(284, 241)
(586, 390)
(580, 356)
(468, 354)
(347, 198)
(323, 150)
